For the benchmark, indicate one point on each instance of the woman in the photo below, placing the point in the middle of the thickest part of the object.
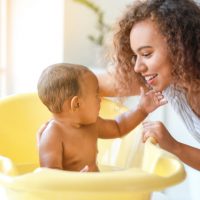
(158, 45)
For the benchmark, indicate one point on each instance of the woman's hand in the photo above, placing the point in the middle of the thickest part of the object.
(186, 153)
(158, 131)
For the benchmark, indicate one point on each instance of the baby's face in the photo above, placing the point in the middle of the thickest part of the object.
(90, 98)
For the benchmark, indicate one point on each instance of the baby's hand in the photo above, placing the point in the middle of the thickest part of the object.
(85, 169)
(151, 100)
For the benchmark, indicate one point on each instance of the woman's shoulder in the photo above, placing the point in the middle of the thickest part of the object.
(172, 92)
(180, 104)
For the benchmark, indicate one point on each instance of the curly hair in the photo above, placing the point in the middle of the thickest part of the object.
(179, 22)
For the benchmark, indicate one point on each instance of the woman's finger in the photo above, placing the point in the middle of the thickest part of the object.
(147, 134)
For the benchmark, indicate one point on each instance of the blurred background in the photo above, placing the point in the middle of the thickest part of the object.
(38, 33)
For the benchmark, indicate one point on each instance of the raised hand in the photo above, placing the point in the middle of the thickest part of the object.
(150, 100)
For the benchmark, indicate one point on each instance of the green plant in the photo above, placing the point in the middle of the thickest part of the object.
(102, 27)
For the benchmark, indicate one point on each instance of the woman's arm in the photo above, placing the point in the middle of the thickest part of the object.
(186, 153)
(108, 84)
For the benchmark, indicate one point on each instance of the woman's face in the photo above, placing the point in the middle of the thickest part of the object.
(151, 55)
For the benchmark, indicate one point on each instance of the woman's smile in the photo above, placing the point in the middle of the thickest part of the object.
(150, 79)
(151, 55)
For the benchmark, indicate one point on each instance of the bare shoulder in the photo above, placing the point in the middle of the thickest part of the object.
(100, 121)
(50, 146)
(53, 131)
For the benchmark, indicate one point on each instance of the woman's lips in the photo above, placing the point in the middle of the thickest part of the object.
(150, 79)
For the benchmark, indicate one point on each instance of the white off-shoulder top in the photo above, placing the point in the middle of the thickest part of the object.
(179, 103)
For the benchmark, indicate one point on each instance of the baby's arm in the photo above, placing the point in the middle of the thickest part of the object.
(127, 121)
(50, 148)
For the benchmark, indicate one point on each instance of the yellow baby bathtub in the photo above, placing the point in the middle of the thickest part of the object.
(130, 170)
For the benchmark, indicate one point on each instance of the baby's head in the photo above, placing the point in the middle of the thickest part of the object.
(61, 82)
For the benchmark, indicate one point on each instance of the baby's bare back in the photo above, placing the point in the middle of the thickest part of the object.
(67, 147)
(80, 148)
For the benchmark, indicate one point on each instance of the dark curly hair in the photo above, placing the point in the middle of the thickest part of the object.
(179, 22)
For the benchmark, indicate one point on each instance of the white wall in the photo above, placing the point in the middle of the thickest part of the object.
(80, 22)
(43, 32)
(35, 40)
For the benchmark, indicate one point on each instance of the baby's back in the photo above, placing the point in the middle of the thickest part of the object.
(69, 148)
(80, 148)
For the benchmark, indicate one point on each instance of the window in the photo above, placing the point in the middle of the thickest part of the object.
(32, 37)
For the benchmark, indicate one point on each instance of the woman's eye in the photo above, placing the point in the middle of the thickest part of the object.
(146, 54)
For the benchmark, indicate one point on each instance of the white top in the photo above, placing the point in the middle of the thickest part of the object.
(179, 103)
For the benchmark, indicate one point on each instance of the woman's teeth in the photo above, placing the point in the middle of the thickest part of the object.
(148, 78)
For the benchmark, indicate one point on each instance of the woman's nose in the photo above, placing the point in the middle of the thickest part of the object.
(139, 66)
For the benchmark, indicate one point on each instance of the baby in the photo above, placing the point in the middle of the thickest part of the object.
(71, 93)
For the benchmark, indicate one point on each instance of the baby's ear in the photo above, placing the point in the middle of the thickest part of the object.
(75, 104)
